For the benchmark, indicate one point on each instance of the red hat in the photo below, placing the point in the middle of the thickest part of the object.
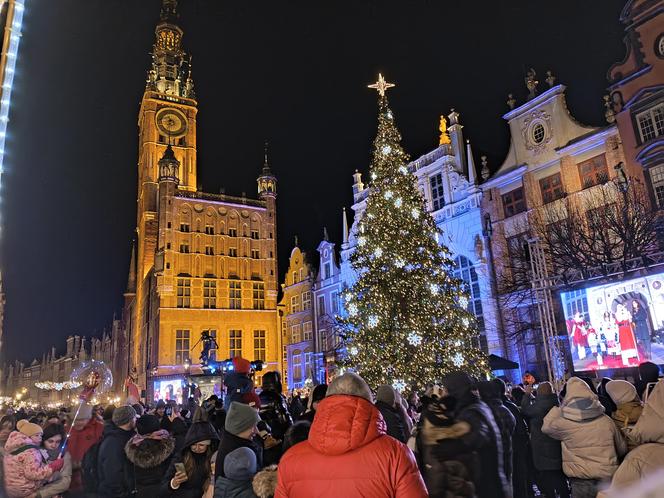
(251, 399)
(240, 365)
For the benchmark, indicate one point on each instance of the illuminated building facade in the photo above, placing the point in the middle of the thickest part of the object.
(203, 262)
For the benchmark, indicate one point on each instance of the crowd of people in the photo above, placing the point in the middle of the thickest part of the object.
(460, 438)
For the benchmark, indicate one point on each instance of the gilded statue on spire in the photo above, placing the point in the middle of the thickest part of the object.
(444, 136)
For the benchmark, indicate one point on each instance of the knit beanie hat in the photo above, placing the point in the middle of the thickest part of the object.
(621, 391)
(240, 365)
(386, 394)
(240, 417)
(123, 415)
(240, 464)
(85, 412)
(108, 413)
(458, 383)
(251, 399)
(147, 424)
(28, 429)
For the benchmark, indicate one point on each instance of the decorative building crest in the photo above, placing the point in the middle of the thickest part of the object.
(536, 130)
(485, 168)
(609, 114)
(511, 101)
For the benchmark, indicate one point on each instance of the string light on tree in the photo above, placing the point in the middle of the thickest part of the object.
(393, 320)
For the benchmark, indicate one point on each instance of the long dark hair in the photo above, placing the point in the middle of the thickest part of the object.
(191, 464)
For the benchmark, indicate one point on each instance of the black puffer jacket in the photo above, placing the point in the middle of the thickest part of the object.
(150, 459)
(393, 420)
(546, 450)
(116, 475)
(505, 421)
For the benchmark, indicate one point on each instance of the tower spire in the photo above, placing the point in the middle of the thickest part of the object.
(471, 164)
(267, 182)
(344, 229)
(326, 237)
(131, 278)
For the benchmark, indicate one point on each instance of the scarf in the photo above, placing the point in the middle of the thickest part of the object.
(137, 439)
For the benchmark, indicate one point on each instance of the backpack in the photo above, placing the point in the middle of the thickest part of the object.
(89, 473)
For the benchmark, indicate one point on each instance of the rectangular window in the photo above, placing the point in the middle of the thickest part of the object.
(437, 196)
(209, 250)
(296, 333)
(306, 300)
(232, 251)
(254, 234)
(321, 305)
(259, 345)
(657, 178)
(235, 343)
(255, 254)
(514, 202)
(232, 232)
(651, 123)
(295, 304)
(184, 248)
(184, 227)
(297, 366)
(551, 188)
(307, 331)
(209, 294)
(307, 363)
(327, 273)
(184, 293)
(295, 277)
(334, 297)
(209, 229)
(259, 295)
(323, 340)
(181, 346)
(235, 295)
(594, 171)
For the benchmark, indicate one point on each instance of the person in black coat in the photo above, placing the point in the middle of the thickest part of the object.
(522, 482)
(317, 395)
(482, 441)
(150, 452)
(648, 372)
(547, 456)
(240, 430)
(492, 395)
(386, 400)
(196, 458)
(113, 468)
(274, 411)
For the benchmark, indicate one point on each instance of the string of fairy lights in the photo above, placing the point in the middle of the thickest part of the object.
(407, 321)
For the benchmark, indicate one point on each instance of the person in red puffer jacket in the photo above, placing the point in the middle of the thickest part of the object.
(348, 452)
(85, 433)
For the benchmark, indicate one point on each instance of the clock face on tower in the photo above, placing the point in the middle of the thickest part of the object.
(171, 122)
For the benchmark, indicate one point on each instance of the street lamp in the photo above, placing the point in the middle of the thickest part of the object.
(187, 364)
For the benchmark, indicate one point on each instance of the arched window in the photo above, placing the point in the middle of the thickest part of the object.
(465, 270)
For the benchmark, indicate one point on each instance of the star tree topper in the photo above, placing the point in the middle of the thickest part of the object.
(381, 85)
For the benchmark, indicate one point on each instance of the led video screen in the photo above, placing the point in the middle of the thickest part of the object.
(616, 325)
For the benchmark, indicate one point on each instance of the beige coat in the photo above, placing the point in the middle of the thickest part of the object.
(591, 443)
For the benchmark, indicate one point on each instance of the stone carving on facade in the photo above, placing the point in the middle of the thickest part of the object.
(479, 249)
(529, 127)
(511, 101)
(550, 79)
(609, 114)
(531, 83)
(485, 168)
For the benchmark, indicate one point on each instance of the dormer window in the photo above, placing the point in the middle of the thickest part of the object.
(593, 172)
(651, 123)
(538, 133)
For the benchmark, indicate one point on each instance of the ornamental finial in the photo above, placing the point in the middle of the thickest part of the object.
(381, 85)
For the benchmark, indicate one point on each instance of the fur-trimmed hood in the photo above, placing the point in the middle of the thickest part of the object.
(150, 453)
(265, 482)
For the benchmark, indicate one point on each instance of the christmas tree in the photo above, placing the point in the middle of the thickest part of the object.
(406, 322)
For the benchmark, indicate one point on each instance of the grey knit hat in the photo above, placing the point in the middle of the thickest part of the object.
(123, 415)
(240, 417)
(240, 464)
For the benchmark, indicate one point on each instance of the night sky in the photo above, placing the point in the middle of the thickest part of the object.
(292, 72)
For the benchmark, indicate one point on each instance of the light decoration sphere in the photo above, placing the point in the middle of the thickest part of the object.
(399, 385)
(415, 213)
(361, 241)
(399, 263)
(414, 339)
(378, 252)
(372, 322)
(398, 202)
(353, 351)
(465, 322)
(458, 360)
(352, 309)
(389, 114)
(386, 149)
(348, 297)
(388, 194)
(374, 176)
(403, 170)
(463, 302)
(435, 288)
(457, 343)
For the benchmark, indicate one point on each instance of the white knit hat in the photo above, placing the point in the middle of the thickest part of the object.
(621, 391)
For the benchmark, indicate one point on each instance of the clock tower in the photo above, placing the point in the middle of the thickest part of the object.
(167, 118)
